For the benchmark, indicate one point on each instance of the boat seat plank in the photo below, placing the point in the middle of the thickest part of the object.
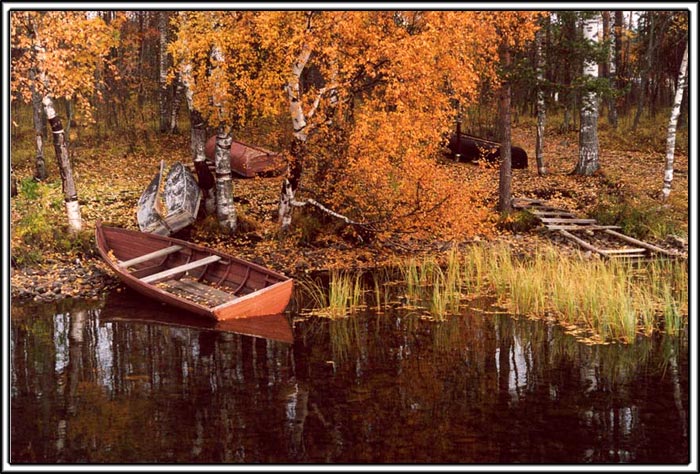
(150, 256)
(199, 292)
(180, 269)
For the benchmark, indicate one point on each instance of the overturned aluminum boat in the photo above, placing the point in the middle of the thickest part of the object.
(170, 202)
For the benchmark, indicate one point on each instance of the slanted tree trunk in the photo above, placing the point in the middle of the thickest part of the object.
(588, 157)
(163, 72)
(70, 194)
(541, 108)
(672, 123)
(505, 175)
(225, 210)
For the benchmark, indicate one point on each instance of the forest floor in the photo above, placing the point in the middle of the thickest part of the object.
(111, 179)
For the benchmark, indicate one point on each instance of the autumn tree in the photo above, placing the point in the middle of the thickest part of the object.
(61, 55)
(369, 97)
(514, 29)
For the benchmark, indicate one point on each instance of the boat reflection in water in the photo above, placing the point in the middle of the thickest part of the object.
(134, 309)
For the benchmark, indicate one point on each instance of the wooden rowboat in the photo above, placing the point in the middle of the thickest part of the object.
(191, 277)
(135, 309)
(249, 161)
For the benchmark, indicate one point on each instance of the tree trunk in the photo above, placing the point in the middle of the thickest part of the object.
(163, 71)
(608, 68)
(13, 182)
(70, 194)
(40, 173)
(198, 139)
(588, 161)
(225, 210)
(541, 108)
(615, 70)
(298, 148)
(673, 121)
(504, 181)
(175, 106)
(645, 73)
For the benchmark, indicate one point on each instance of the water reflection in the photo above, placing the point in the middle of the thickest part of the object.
(92, 383)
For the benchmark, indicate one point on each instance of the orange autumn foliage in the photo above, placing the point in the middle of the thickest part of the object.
(70, 48)
(374, 153)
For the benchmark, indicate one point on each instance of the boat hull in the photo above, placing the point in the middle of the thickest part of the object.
(260, 291)
(249, 161)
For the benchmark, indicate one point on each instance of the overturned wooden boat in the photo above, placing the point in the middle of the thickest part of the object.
(191, 277)
(170, 202)
(248, 160)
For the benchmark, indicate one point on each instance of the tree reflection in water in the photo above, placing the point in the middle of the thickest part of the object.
(380, 388)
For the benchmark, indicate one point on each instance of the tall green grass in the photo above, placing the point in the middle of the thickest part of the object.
(614, 300)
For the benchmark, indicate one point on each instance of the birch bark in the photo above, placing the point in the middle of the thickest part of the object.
(541, 108)
(70, 194)
(163, 71)
(672, 123)
(588, 156)
(298, 148)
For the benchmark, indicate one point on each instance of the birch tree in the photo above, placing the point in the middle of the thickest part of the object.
(588, 158)
(62, 54)
(672, 123)
(70, 193)
(163, 115)
(541, 107)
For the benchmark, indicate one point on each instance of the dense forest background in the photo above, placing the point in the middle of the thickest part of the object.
(361, 102)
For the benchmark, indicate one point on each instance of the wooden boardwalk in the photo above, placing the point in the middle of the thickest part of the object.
(585, 231)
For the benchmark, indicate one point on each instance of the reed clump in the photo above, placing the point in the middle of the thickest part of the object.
(613, 299)
(343, 296)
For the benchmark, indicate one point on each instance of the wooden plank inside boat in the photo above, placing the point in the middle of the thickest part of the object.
(180, 269)
(150, 256)
(200, 293)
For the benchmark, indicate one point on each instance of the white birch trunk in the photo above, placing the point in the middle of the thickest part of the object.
(175, 106)
(163, 71)
(290, 184)
(198, 138)
(70, 194)
(39, 160)
(588, 157)
(672, 123)
(225, 210)
(541, 110)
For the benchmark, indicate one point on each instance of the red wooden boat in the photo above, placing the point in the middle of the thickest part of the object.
(249, 161)
(136, 310)
(194, 278)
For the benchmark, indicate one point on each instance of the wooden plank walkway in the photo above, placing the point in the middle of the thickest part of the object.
(565, 223)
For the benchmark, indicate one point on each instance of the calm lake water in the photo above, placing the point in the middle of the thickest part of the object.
(110, 382)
